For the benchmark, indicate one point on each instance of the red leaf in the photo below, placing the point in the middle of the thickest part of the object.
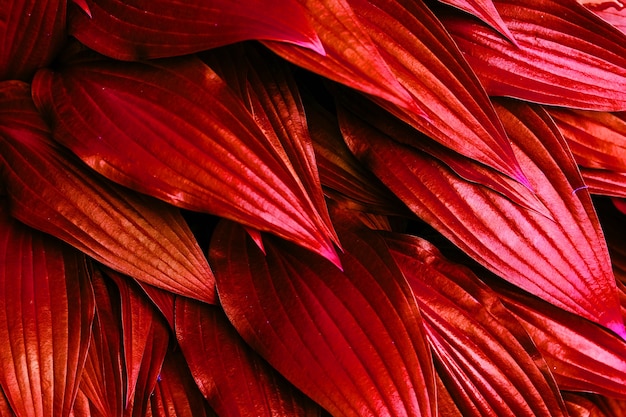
(51, 190)
(163, 300)
(427, 82)
(222, 364)
(580, 406)
(486, 359)
(565, 56)
(581, 355)
(5, 408)
(145, 339)
(485, 11)
(176, 394)
(562, 258)
(46, 311)
(615, 13)
(352, 341)
(161, 28)
(173, 129)
(603, 182)
(32, 32)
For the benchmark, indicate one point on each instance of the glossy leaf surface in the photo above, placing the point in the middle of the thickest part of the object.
(485, 11)
(51, 190)
(353, 341)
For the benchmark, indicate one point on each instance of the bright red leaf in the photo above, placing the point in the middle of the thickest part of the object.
(46, 312)
(222, 363)
(561, 258)
(353, 341)
(566, 56)
(173, 129)
(162, 28)
(51, 190)
(603, 182)
(485, 357)
(31, 34)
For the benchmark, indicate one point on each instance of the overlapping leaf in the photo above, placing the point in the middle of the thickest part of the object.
(603, 182)
(562, 258)
(222, 363)
(612, 11)
(162, 28)
(485, 11)
(51, 190)
(565, 55)
(46, 312)
(399, 54)
(352, 341)
(31, 34)
(174, 129)
(485, 358)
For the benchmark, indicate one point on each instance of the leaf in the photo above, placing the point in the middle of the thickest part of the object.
(603, 182)
(186, 139)
(46, 311)
(485, 11)
(163, 28)
(562, 259)
(565, 55)
(579, 406)
(403, 45)
(32, 33)
(222, 363)
(581, 355)
(612, 12)
(176, 394)
(353, 341)
(51, 190)
(484, 356)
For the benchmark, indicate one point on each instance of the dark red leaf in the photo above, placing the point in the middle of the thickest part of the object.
(603, 182)
(32, 32)
(51, 190)
(176, 394)
(565, 55)
(485, 11)
(400, 55)
(160, 28)
(46, 312)
(173, 129)
(581, 406)
(222, 364)
(561, 258)
(486, 359)
(353, 341)
(163, 300)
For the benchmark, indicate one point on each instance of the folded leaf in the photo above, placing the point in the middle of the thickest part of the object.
(173, 129)
(353, 341)
(485, 11)
(565, 55)
(222, 363)
(156, 29)
(562, 259)
(32, 33)
(51, 190)
(46, 311)
(486, 359)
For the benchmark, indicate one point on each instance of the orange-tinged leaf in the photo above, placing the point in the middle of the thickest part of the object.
(603, 182)
(565, 55)
(162, 28)
(353, 341)
(51, 190)
(485, 357)
(46, 312)
(562, 259)
(173, 129)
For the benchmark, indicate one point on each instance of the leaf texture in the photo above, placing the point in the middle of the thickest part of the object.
(222, 363)
(51, 190)
(486, 359)
(31, 34)
(565, 55)
(186, 138)
(353, 341)
(164, 28)
(562, 259)
(484, 10)
(46, 312)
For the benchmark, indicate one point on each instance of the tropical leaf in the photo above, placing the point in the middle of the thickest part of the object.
(565, 55)
(173, 129)
(485, 11)
(51, 190)
(46, 312)
(221, 362)
(353, 341)
(164, 28)
(562, 258)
